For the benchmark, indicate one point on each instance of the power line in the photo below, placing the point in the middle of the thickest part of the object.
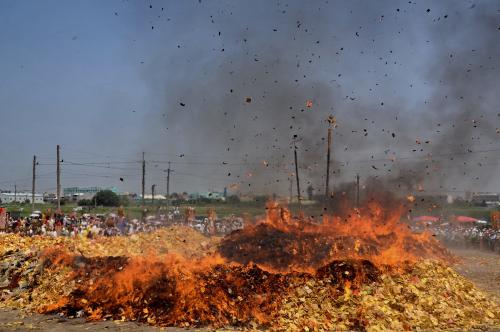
(101, 175)
(202, 177)
(26, 178)
(101, 155)
(395, 161)
(98, 166)
(107, 164)
(425, 157)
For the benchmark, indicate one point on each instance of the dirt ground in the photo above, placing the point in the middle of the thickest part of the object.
(482, 268)
(15, 320)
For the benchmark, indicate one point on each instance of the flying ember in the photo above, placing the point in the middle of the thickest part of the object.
(249, 165)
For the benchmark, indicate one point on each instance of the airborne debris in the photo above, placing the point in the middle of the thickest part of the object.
(178, 277)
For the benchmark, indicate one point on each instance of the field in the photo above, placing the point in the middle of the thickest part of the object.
(251, 209)
(134, 211)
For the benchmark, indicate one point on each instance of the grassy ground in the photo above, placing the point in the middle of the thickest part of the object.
(134, 211)
(243, 209)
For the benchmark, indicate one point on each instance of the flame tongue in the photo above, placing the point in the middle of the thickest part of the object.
(253, 271)
(282, 243)
(165, 291)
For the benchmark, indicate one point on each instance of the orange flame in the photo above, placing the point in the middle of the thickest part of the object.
(283, 243)
(246, 279)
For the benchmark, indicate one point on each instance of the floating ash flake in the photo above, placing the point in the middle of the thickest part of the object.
(189, 288)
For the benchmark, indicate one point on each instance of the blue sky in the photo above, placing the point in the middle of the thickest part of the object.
(105, 79)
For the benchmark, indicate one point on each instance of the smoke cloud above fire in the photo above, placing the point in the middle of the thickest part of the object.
(413, 87)
(223, 89)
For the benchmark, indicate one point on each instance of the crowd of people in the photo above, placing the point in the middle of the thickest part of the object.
(85, 225)
(218, 226)
(210, 224)
(91, 225)
(471, 236)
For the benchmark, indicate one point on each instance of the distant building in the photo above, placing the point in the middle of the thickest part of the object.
(79, 193)
(149, 197)
(49, 197)
(431, 201)
(217, 196)
(486, 199)
(20, 197)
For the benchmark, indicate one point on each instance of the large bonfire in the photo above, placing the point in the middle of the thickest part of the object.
(366, 270)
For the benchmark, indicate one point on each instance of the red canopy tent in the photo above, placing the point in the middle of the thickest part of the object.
(426, 219)
(464, 219)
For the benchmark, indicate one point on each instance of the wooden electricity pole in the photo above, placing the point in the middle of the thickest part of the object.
(143, 179)
(168, 186)
(58, 178)
(33, 185)
(153, 194)
(357, 190)
(331, 121)
(297, 172)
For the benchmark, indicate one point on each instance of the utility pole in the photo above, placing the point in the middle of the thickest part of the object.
(33, 185)
(153, 194)
(297, 172)
(331, 121)
(15, 193)
(143, 179)
(168, 186)
(58, 178)
(143, 186)
(357, 190)
(291, 188)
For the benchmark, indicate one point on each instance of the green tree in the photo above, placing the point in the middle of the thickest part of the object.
(124, 201)
(107, 198)
(85, 202)
(232, 199)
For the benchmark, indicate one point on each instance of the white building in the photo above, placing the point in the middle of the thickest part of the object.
(20, 197)
(149, 197)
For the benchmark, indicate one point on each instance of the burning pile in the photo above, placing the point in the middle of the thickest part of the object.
(284, 243)
(283, 273)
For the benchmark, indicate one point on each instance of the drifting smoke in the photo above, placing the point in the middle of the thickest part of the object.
(414, 88)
